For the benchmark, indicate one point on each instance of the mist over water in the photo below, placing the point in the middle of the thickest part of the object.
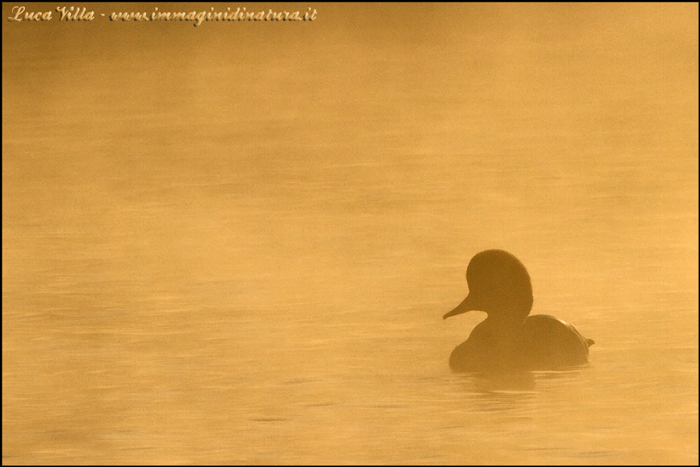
(236, 242)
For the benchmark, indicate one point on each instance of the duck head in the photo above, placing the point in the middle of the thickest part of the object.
(499, 285)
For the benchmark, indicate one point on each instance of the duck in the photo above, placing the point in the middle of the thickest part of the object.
(510, 338)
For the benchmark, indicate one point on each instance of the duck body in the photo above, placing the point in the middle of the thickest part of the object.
(509, 339)
(542, 342)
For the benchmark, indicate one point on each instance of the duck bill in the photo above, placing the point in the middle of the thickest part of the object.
(466, 305)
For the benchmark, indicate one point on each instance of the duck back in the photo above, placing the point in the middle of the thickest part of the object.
(546, 343)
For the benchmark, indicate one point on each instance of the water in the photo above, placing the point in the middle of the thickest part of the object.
(234, 243)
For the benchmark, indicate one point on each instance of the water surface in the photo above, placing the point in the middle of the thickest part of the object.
(234, 243)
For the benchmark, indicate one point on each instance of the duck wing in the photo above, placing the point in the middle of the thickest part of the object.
(548, 343)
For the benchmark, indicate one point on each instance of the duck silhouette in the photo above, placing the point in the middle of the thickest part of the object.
(509, 339)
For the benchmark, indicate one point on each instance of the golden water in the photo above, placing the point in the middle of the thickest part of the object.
(234, 243)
